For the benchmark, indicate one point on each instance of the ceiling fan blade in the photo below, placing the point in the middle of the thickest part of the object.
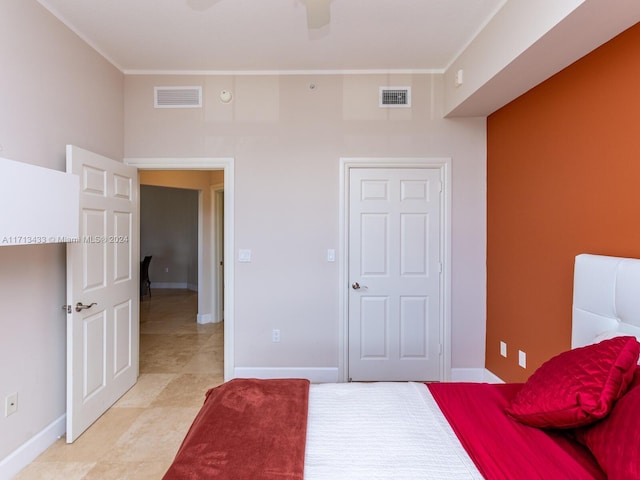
(318, 13)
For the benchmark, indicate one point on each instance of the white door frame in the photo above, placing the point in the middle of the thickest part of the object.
(444, 165)
(210, 163)
(218, 217)
(200, 317)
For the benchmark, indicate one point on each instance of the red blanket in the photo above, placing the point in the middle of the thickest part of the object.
(247, 429)
(503, 448)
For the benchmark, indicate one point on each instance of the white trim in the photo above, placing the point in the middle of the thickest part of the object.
(182, 163)
(314, 374)
(239, 73)
(172, 285)
(204, 318)
(29, 451)
(467, 374)
(201, 306)
(442, 163)
(474, 375)
(491, 377)
(210, 163)
(217, 308)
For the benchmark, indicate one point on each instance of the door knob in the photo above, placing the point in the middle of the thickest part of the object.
(80, 306)
(355, 286)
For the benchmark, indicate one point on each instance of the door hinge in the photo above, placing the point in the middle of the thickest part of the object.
(66, 308)
(439, 267)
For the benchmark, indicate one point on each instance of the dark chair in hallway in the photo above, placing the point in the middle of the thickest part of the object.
(145, 283)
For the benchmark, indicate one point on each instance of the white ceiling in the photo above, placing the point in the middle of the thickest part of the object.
(272, 35)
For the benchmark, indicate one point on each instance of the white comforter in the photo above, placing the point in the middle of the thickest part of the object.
(383, 431)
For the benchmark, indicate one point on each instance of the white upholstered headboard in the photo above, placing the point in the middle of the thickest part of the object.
(606, 298)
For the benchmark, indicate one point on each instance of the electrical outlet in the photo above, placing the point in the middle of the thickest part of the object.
(11, 404)
(275, 335)
(503, 349)
(522, 359)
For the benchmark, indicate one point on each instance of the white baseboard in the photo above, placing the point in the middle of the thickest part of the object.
(315, 375)
(491, 377)
(175, 286)
(330, 375)
(204, 318)
(474, 375)
(172, 285)
(29, 451)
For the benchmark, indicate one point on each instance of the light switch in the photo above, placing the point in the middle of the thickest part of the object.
(244, 256)
(331, 255)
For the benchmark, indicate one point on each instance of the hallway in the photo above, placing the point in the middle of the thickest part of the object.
(138, 437)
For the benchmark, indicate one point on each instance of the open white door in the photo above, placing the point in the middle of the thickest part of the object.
(102, 289)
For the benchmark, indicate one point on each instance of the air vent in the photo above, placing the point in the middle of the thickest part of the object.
(395, 97)
(177, 97)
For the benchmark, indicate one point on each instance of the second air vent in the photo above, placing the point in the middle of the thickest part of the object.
(177, 97)
(395, 97)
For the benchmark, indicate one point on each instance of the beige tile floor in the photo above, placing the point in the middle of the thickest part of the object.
(138, 437)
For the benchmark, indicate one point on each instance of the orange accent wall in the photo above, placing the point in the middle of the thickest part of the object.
(563, 178)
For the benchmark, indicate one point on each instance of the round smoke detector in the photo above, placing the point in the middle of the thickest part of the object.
(225, 96)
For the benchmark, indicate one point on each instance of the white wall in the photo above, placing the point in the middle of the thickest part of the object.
(54, 90)
(287, 140)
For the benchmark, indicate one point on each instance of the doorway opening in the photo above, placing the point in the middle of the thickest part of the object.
(179, 225)
(216, 194)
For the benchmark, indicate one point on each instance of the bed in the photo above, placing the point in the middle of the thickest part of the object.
(575, 418)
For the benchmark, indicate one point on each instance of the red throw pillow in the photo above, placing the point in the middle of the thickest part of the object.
(615, 440)
(577, 387)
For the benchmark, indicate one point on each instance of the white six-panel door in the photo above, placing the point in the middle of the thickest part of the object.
(103, 277)
(394, 274)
